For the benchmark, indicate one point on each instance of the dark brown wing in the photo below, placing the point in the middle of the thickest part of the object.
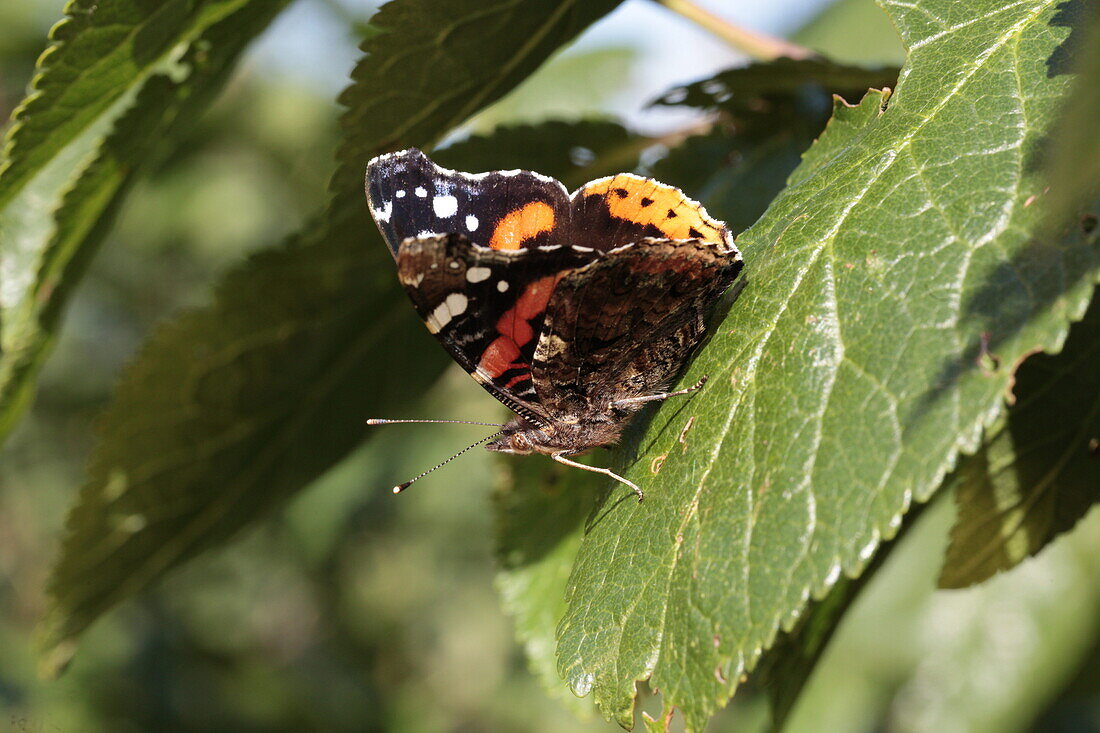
(486, 306)
(624, 325)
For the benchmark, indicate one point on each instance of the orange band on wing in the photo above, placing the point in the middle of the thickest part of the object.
(643, 201)
(522, 224)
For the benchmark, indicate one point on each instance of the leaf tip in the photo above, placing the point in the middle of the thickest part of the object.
(581, 684)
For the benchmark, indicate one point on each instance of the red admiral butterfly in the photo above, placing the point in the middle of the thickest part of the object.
(574, 310)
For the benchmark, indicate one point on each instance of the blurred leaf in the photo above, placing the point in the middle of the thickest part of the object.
(232, 408)
(424, 84)
(540, 517)
(845, 380)
(1074, 165)
(990, 658)
(769, 113)
(751, 88)
(572, 85)
(853, 32)
(1039, 470)
(120, 81)
(101, 52)
(51, 229)
(226, 412)
(983, 660)
(572, 152)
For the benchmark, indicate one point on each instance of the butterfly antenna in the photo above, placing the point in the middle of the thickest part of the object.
(385, 421)
(401, 487)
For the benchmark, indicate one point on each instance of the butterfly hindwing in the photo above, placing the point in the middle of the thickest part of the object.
(620, 326)
(486, 306)
(410, 196)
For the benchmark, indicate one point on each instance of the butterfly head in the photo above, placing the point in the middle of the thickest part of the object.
(522, 436)
(519, 437)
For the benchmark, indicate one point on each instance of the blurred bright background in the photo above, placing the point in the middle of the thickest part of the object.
(355, 611)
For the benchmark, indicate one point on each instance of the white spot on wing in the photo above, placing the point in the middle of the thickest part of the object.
(471, 222)
(400, 194)
(384, 212)
(445, 206)
(454, 305)
(457, 303)
(420, 191)
(478, 274)
(502, 286)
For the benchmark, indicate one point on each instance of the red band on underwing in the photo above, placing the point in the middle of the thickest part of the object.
(515, 328)
(525, 377)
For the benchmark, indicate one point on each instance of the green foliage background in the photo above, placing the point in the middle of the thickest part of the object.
(182, 188)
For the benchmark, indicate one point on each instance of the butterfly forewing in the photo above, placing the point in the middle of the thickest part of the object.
(410, 196)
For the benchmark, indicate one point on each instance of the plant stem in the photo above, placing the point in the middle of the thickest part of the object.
(759, 46)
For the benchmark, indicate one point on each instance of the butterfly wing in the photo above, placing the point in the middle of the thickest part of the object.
(486, 307)
(410, 196)
(552, 302)
(624, 325)
(611, 212)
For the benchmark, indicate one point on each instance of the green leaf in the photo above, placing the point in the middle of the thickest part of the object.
(232, 408)
(769, 114)
(540, 518)
(749, 89)
(540, 521)
(417, 86)
(845, 380)
(532, 581)
(1039, 470)
(102, 52)
(60, 207)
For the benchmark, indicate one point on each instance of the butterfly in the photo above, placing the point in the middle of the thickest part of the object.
(573, 309)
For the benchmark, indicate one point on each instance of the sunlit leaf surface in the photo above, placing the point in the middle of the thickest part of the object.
(848, 376)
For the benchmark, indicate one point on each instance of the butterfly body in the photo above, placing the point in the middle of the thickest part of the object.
(572, 310)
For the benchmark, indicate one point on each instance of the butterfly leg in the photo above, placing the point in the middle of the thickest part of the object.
(659, 396)
(562, 457)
